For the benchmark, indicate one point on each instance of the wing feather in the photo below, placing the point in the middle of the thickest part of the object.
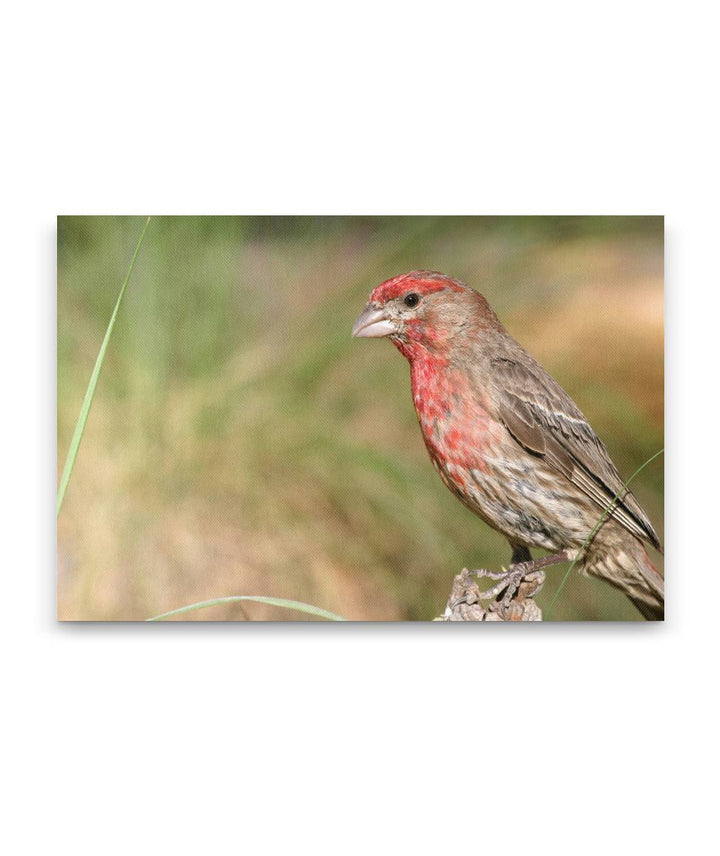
(543, 419)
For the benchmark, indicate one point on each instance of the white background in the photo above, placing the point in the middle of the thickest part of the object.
(358, 739)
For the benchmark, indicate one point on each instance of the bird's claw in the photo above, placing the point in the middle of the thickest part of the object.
(509, 582)
(518, 584)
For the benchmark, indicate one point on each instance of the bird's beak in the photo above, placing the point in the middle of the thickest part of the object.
(373, 324)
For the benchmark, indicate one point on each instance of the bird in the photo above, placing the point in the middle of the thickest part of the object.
(509, 442)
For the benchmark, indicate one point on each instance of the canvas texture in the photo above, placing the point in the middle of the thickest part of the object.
(360, 418)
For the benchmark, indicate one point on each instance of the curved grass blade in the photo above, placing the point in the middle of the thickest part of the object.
(90, 392)
(273, 601)
(594, 531)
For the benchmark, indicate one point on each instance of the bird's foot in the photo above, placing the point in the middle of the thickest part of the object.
(519, 583)
(511, 596)
(466, 600)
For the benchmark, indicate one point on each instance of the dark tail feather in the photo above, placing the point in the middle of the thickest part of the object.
(629, 569)
(652, 610)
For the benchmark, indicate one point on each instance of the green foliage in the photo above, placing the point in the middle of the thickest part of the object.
(90, 393)
(281, 603)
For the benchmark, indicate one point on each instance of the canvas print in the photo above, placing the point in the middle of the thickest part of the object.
(449, 419)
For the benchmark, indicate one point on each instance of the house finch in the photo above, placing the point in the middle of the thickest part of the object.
(507, 440)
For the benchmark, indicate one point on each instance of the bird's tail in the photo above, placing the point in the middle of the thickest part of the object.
(628, 568)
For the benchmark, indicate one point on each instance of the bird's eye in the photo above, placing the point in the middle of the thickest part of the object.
(411, 299)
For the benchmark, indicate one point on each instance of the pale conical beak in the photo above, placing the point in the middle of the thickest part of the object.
(373, 324)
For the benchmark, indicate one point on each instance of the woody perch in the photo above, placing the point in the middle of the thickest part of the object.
(508, 441)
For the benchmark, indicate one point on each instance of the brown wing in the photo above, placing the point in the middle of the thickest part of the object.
(543, 419)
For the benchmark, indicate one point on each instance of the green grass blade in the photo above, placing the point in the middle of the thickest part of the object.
(90, 392)
(273, 601)
(594, 531)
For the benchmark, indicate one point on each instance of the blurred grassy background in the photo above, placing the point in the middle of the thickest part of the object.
(241, 442)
